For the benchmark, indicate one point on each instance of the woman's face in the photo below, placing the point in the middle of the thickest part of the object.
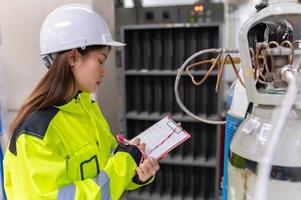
(89, 70)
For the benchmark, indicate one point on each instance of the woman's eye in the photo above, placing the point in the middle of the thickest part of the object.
(100, 62)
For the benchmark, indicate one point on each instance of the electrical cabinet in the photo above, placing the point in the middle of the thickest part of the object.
(150, 62)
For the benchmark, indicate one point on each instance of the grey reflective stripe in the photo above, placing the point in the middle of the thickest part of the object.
(103, 181)
(66, 193)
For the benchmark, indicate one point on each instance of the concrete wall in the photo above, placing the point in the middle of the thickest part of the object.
(20, 28)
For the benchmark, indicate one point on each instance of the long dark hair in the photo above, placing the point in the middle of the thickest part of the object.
(52, 87)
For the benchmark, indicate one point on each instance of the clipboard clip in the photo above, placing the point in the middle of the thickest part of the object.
(175, 127)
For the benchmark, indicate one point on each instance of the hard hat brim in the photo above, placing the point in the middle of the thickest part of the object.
(112, 43)
(115, 44)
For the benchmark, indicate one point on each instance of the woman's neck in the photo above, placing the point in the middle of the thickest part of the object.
(70, 94)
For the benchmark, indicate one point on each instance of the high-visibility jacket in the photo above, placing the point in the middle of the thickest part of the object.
(68, 152)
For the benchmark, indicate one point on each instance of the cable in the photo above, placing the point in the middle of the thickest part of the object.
(213, 61)
(220, 71)
(179, 101)
(220, 62)
(278, 122)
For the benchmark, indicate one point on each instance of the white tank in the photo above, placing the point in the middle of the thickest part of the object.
(246, 151)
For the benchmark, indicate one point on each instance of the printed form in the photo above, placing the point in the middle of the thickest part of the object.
(162, 137)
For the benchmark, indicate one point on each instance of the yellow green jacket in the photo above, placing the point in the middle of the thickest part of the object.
(68, 152)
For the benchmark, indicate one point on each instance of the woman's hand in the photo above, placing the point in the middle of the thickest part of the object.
(149, 166)
(147, 169)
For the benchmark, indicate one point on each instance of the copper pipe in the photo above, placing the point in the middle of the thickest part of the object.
(273, 42)
(220, 63)
(219, 77)
(291, 56)
(258, 67)
(207, 74)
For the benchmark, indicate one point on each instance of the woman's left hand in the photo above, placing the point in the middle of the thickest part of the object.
(147, 168)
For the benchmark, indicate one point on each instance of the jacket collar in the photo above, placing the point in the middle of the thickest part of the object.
(80, 104)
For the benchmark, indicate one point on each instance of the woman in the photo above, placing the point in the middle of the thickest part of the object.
(61, 146)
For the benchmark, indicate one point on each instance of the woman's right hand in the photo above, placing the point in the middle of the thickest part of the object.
(149, 166)
(147, 169)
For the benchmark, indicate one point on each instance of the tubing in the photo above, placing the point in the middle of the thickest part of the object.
(180, 70)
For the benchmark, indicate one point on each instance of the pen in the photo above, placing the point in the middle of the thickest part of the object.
(121, 139)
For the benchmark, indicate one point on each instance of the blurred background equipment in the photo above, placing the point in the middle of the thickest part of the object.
(264, 155)
(151, 58)
(158, 40)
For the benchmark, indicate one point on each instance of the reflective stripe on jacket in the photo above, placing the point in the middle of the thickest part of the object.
(65, 152)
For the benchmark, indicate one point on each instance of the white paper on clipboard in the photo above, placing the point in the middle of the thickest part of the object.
(162, 137)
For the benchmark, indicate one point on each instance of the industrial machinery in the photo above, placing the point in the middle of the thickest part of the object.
(265, 152)
(264, 156)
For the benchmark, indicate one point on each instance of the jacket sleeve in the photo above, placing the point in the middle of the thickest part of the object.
(115, 147)
(37, 172)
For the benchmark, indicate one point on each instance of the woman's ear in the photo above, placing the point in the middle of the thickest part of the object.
(73, 56)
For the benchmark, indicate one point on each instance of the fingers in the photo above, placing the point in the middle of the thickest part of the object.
(136, 141)
(154, 164)
(142, 146)
(141, 175)
(147, 169)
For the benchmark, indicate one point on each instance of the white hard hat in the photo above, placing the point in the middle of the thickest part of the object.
(73, 26)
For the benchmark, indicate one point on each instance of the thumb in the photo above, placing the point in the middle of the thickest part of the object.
(136, 141)
(142, 146)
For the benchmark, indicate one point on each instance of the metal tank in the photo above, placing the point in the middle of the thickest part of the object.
(269, 49)
(246, 151)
